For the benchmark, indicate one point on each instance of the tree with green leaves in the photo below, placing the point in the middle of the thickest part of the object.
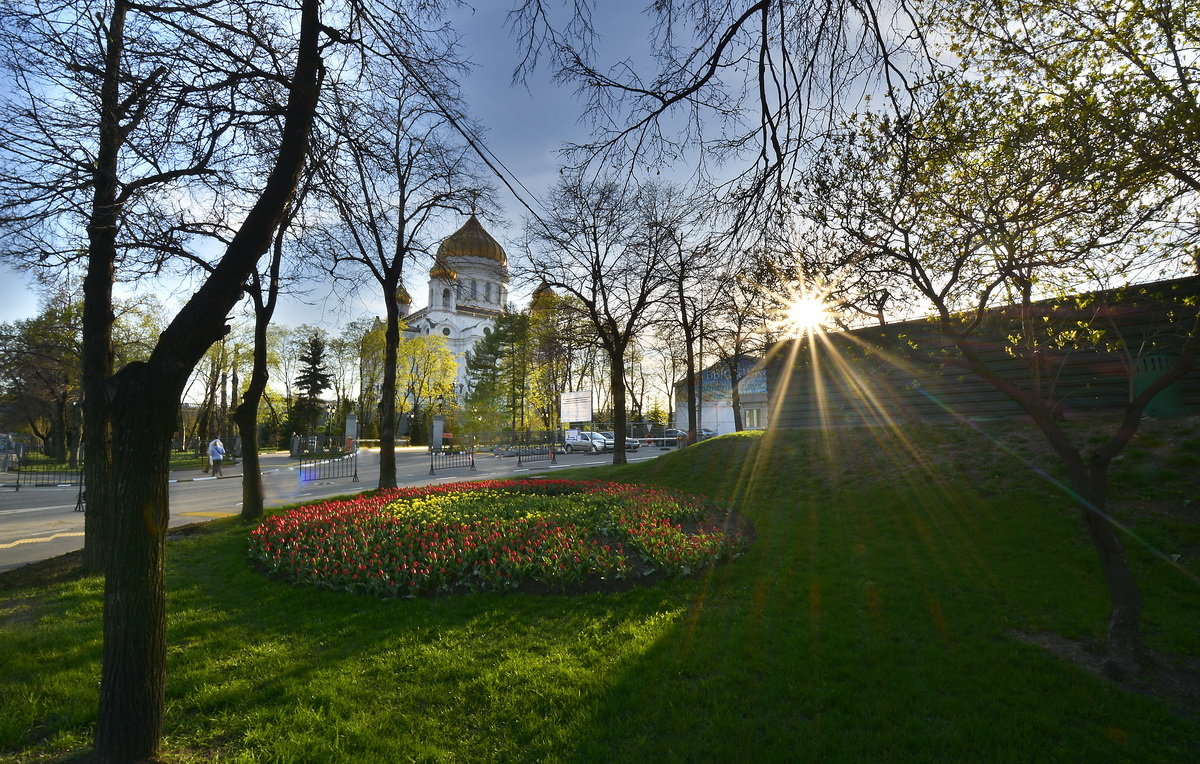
(498, 376)
(981, 207)
(426, 371)
(563, 352)
(1124, 70)
(592, 246)
(312, 380)
(39, 375)
(364, 339)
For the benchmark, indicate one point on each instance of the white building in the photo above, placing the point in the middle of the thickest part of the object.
(468, 289)
(715, 397)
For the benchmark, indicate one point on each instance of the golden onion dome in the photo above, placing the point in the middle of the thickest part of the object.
(472, 241)
(441, 270)
(402, 296)
(543, 296)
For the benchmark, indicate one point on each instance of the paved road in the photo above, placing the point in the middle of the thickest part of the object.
(41, 522)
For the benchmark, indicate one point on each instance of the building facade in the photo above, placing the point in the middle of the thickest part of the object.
(468, 290)
(715, 400)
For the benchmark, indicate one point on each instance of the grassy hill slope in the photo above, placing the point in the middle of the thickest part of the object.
(895, 606)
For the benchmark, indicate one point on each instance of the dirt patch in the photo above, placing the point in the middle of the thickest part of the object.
(1173, 678)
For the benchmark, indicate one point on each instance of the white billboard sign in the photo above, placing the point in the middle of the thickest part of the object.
(575, 406)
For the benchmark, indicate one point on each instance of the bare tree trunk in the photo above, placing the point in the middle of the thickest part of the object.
(246, 414)
(689, 349)
(735, 396)
(620, 415)
(246, 417)
(207, 429)
(387, 396)
(1125, 610)
(145, 404)
(97, 353)
(133, 685)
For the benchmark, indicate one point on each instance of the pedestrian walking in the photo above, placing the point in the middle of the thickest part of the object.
(216, 452)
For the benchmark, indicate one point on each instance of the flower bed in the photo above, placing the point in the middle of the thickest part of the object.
(563, 535)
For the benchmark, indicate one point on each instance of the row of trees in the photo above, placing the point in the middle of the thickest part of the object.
(187, 138)
(641, 285)
(40, 379)
(1003, 152)
(320, 378)
(227, 138)
(514, 375)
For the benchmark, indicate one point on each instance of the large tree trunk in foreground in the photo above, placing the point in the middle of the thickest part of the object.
(145, 403)
(133, 686)
(97, 355)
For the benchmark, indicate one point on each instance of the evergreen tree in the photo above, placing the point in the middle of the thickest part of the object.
(312, 381)
(496, 375)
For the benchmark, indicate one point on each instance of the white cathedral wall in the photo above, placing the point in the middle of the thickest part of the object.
(491, 292)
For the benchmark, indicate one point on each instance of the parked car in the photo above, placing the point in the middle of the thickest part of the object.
(681, 435)
(592, 442)
(631, 444)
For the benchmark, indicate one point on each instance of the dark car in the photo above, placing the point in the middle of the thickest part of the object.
(702, 434)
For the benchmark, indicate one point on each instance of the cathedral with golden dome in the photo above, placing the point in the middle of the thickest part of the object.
(468, 290)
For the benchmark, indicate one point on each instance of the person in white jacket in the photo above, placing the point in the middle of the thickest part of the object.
(216, 452)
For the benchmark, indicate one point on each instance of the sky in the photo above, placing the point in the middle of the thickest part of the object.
(525, 125)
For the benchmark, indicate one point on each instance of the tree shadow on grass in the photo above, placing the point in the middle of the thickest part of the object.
(869, 627)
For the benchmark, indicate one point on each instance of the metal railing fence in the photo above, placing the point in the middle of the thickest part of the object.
(27, 466)
(540, 452)
(451, 457)
(328, 466)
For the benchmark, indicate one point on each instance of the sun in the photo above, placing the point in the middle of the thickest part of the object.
(804, 313)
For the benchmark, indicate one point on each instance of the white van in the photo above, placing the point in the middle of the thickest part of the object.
(585, 440)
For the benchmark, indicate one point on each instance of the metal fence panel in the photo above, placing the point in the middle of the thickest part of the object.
(46, 474)
(328, 466)
(451, 459)
(542, 452)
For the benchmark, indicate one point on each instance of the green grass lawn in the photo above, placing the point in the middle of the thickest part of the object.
(872, 619)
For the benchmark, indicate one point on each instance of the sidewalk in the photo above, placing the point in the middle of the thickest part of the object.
(269, 461)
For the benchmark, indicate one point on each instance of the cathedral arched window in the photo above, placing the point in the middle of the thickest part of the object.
(473, 292)
(487, 290)
(446, 297)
